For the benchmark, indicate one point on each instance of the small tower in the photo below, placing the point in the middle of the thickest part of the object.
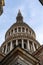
(19, 18)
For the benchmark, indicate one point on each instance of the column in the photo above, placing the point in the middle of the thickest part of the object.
(21, 29)
(34, 46)
(17, 29)
(37, 46)
(6, 49)
(11, 46)
(22, 44)
(16, 42)
(28, 45)
(25, 29)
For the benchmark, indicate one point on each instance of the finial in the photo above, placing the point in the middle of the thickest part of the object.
(19, 17)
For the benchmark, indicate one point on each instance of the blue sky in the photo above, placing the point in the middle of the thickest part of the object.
(32, 12)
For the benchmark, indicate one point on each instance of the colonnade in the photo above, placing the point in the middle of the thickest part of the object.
(28, 46)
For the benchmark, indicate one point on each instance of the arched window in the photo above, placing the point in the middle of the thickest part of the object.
(20, 43)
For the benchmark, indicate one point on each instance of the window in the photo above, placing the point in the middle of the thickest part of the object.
(25, 44)
(26, 29)
(15, 29)
(19, 29)
(12, 30)
(8, 47)
(20, 43)
(30, 42)
(35, 46)
(14, 43)
(23, 29)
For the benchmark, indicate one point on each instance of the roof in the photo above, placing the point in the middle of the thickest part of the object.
(23, 53)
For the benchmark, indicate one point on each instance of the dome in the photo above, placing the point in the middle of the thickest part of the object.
(20, 24)
(20, 34)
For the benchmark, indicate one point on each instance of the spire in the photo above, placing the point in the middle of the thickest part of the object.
(19, 17)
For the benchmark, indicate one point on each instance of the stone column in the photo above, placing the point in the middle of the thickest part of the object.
(28, 45)
(21, 29)
(34, 46)
(16, 42)
(6, 49)
(22, 44)
(17, 29)
(25, 29)
(11, 46)
(37, 46)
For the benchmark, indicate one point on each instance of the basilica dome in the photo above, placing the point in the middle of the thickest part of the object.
(20, 34)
